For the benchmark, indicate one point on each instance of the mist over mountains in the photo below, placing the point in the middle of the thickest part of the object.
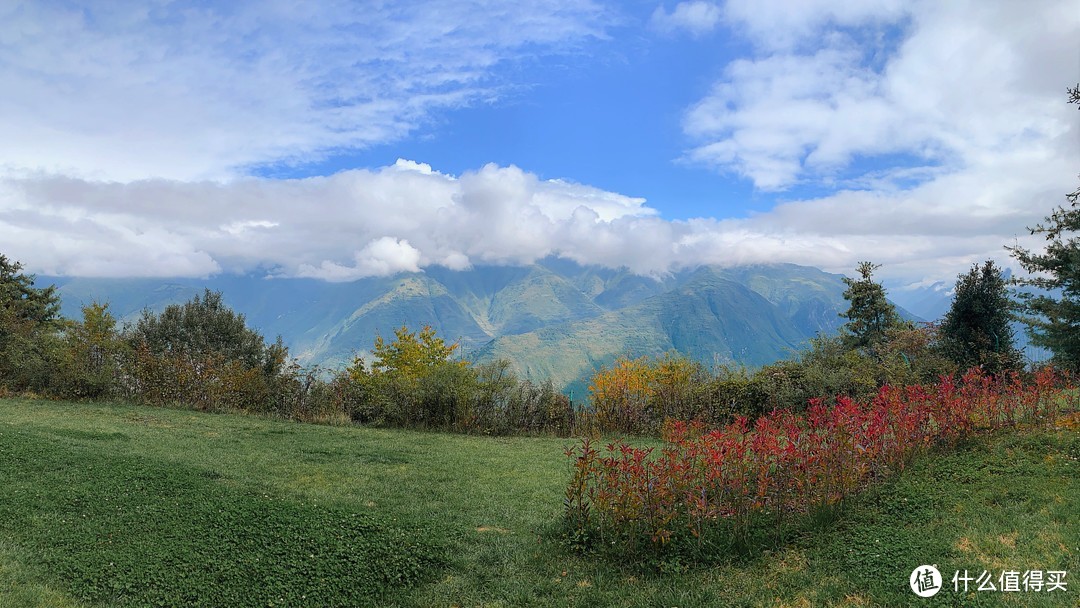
(554, 319)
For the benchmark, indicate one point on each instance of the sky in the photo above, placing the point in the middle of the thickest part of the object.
(341, 139)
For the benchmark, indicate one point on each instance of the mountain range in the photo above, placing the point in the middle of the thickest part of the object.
(554, 319)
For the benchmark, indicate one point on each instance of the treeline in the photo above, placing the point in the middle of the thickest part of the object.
(202, 355)
(876, 348)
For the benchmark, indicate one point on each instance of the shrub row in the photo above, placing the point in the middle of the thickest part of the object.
(709, 487)
(486, 398)
(635, 396)
(201, 355)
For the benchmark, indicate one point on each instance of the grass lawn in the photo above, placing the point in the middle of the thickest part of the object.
(104, 505)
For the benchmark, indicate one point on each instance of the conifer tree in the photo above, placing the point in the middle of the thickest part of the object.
(870, 315)
(976, 330)
(20, 301)
(1053, 314)
(29, 325)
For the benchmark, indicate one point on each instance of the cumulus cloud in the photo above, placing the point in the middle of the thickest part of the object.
(933, 88)
(131, 89)
(404, 218)
(382, 256)
(697, 18)
(353, 224)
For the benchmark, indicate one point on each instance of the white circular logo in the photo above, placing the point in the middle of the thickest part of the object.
(925, 581)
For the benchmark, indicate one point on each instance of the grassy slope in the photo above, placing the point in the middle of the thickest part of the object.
(477, 511)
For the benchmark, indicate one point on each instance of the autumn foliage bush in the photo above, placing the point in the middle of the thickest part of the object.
(414, 381)
(707, 487)
(636, 396)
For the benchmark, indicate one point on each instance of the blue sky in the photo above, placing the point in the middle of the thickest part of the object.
(608, 115)
(339, 139)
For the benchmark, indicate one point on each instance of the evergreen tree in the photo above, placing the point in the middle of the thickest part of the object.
(1053, 315)
(870, 315)
(29, 324)
(20, 301)
(976, 329)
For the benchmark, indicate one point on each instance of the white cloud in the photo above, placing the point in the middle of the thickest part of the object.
(381, 257)
(353, 224)
(783, 25)
(371, 223)
(963, 83)
(130, 90)
(696, 17)
(940, 129)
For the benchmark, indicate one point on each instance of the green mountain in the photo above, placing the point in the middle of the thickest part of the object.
(554, 319)
(750, 316)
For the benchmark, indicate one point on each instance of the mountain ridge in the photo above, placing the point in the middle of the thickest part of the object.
(554, 319)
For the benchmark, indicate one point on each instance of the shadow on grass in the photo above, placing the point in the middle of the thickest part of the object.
(113, 528)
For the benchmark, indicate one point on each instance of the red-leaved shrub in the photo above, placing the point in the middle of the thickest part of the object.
(717, 482)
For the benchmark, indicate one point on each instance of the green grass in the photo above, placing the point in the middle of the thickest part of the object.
(104, 505)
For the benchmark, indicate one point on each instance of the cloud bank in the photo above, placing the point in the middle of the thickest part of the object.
(407, 217)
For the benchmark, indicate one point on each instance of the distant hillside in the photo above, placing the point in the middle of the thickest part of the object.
(930, 302)
(554, 319)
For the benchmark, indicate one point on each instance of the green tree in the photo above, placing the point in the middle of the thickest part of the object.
(976, 330)
(413, 381)
(410, 355)
(92, 355)
(21, 301)
(203, 355)
(870, 315)
(1053, 314)
(205, 327)
(29, 325)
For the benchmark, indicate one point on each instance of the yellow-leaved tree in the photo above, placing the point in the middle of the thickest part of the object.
(413, 381)
(410, 354)
(620, 395)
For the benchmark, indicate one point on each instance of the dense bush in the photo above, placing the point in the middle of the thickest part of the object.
(636, 396)
(711, 487)
(203, 355)
(205, 326)
(505, 404)
(414, 382)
